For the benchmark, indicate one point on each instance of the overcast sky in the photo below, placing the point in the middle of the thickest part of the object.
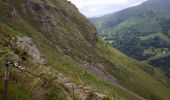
(96, 8)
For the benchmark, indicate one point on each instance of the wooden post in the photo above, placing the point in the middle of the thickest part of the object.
(5, 91)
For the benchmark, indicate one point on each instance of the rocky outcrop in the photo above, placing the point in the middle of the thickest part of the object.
(92, 37)
(82, 90)
(99, 96)
(99, 71)
(33, 5)
(36, 6)
(14, 13)
(46, 22)
(27, 44)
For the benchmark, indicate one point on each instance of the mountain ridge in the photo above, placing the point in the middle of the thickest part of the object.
(141, 32)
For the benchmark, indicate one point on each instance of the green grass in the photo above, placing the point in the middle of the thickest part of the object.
(74, 72)
(159, 56)
(151, 36)
(155, 53)
(58, 62)
(17, 92)
(133, 73)
(73, 50)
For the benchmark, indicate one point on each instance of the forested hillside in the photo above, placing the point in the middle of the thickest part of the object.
(141, 32)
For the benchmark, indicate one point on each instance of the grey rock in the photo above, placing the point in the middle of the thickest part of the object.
(27, 44)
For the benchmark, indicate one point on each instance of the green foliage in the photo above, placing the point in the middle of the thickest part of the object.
(56, 94)
(135, 74)
(141, 32)
(66, 40)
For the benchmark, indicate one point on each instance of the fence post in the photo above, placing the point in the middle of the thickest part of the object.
(6, 79)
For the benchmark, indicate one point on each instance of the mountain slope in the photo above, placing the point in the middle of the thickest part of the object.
(53, 41)
(141, 32)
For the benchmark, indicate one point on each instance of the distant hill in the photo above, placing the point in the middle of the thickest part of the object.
(141, 32)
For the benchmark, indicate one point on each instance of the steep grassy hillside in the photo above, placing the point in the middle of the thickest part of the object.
(57, 44)
(141, 32)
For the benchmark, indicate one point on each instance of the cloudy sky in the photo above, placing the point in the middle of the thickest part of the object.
(96, 8)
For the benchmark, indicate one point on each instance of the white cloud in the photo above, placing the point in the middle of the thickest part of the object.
(96, 8)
